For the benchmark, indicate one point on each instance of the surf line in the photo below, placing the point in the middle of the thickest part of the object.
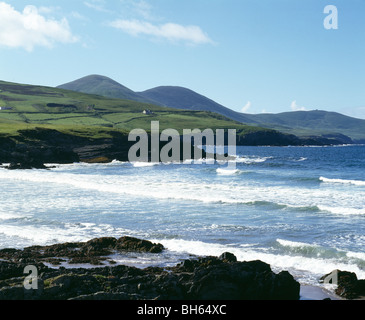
(178, 148)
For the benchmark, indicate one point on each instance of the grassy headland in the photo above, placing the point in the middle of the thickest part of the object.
(92, 115)
(36, 121)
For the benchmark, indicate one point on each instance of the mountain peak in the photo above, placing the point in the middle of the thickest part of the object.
(104, 86)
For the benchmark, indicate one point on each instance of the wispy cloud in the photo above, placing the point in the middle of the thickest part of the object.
(246, 107)
(142, 8)
(356, 112)
(78, 16)
(294, 107)
(29, 28)
(98, 5)
(173, 32)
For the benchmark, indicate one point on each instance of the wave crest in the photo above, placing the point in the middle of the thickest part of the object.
(343, 181)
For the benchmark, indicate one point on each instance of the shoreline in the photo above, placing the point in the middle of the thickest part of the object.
(197, 278)
(86, 271)
(311, 292)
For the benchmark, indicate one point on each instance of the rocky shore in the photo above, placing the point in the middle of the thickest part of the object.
(33, 148)
(199, 278)
(348, 285)
(53, 275)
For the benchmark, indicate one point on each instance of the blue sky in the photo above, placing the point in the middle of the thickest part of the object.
(251, 55)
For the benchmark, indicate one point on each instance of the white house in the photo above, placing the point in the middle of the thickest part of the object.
(146, 111)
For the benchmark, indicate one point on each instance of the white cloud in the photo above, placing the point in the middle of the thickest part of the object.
(246, 107)
(29, 28)
(48, 10)
(98, 5)
(138, 8)
(356, 112)
(143, 9)
(168, 31)
(294, 106)
(78, 16)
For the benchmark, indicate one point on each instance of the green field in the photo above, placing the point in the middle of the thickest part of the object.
(94, 116)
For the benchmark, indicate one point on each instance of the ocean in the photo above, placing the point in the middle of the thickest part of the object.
(300, 209)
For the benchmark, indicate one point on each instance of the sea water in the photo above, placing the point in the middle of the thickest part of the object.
(300, 209)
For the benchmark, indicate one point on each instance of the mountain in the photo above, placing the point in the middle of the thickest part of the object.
(104, 86)
(41, 124)
(183, 98)
(301, 123)
(315, 122)
(25, 105)
(168, 96)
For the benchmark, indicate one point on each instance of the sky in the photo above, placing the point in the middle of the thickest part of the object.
(251, 56)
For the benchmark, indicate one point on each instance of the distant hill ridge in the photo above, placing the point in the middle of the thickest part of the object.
(300, 123)
(104, 86)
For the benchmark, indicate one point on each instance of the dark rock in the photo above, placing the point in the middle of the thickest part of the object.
(10, 270)
(99, 246)
(94, 251)
(348, 285)
(137, 245)
(218, 280)
(26, 165)
(227, 256)
(12, 293)
(205, 278)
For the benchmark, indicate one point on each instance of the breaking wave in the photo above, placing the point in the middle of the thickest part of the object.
(343, 181)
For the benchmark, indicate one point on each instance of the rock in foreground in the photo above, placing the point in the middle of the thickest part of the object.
(208, 278)
(348, 285)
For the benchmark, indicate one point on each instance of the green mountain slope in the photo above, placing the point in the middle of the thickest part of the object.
(183, 98)
(46, 125)
(168, 96)
(301, 123)
(316, 122)
(71, 111)
(104, 86)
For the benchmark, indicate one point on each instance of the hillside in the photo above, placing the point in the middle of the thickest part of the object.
(104, 86)
(43, 124)
(306, 124)
(168, 96)
(316, 122)
(69, 110)
(300, 123)
(183, 98)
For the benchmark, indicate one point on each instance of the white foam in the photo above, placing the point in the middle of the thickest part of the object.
(27, 235)
(10, 216)
(306, 268)
(294, 244)
(346, 211)
(343, 181)
(227, 172)
(167, 186)
(357, 255)
(144, 164)
(251, 159)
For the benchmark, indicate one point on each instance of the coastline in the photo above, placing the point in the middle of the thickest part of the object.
(86, 271)
(198, 278)
(311, 292)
